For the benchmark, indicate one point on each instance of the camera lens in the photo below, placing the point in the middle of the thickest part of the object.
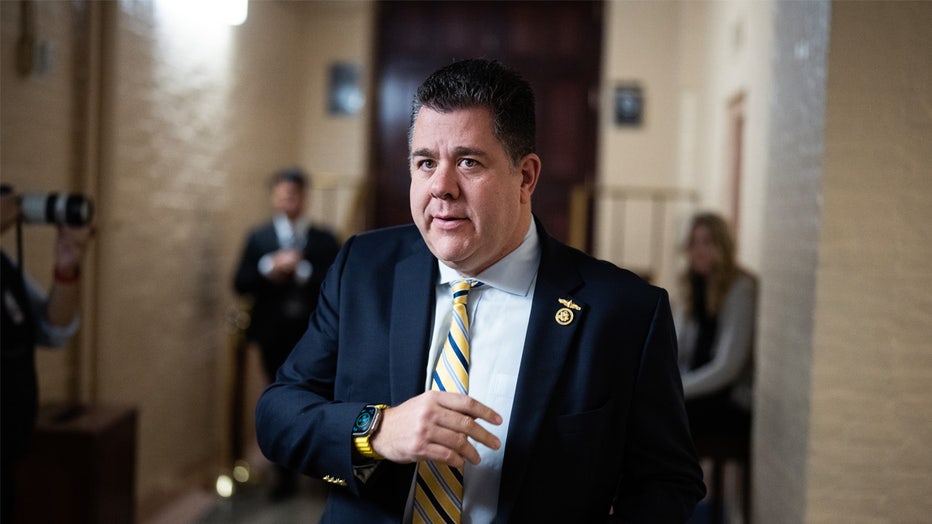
(57, 208)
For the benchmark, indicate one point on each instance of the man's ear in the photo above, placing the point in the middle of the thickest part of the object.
(529, 169)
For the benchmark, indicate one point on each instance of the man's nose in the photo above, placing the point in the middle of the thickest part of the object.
(445, 182)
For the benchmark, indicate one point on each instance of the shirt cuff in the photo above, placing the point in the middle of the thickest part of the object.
(266, 264)
(362, 473)
(56, 336)
(303, 271)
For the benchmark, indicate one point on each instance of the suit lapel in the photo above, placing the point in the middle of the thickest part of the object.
(545, 350)
(411, 316)
(269, 239)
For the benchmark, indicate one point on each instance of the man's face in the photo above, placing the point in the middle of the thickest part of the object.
(470, 203)
(288, 198)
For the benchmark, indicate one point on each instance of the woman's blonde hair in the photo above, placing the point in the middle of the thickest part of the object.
(724, 265)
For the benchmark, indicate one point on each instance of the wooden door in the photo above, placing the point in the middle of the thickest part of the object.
(555, 45)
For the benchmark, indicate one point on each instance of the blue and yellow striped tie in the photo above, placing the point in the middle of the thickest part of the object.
(438, 495)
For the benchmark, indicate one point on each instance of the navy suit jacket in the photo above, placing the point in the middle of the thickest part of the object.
(272, 322)
(598, 417)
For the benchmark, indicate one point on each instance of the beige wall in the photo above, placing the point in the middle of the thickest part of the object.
(692, 59)
(641, 45)
(336, 148)
(843, 415)
(730, 59)
(871, 408)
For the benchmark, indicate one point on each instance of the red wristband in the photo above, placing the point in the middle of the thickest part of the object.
(66, 278)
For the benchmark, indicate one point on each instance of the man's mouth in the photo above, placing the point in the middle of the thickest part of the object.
(448, 220)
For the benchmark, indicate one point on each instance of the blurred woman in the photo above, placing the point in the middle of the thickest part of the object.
(715, 322)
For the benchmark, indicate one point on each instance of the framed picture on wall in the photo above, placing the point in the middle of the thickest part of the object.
(629, 105)
(344, 94)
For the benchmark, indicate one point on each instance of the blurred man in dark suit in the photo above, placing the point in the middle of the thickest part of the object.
(283, 263)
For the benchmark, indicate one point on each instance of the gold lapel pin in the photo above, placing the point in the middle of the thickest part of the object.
(565, 314)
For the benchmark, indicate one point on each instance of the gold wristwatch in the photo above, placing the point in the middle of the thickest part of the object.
(367, 423)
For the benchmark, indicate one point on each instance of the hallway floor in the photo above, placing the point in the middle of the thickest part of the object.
(250, 504)
(253, 506)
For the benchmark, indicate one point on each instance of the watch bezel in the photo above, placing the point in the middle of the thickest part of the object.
(374, 412)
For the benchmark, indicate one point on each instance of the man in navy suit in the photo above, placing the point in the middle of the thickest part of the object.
(282, 266)
(574, 410)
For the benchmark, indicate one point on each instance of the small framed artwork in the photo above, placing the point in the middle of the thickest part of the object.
(344, 93)
(629, 105)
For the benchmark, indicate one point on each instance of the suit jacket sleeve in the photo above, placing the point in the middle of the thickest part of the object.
(661, 481)
(298, 424)
(247, 279)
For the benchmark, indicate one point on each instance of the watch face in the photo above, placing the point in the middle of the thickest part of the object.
(364, 420)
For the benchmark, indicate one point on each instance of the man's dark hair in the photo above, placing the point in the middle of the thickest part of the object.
(295, 175)
(483, 83)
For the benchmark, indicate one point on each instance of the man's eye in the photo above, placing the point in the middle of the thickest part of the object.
(425, 164)
(468, 162)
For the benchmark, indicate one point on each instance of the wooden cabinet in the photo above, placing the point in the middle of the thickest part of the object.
(80, 468)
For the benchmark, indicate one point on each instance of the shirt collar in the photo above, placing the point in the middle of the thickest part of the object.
(513, 274)
(285, 228)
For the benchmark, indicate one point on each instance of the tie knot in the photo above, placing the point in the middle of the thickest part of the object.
(461, 289)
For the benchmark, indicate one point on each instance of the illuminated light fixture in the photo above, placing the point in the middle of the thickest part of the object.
(241, 472)
(230, 12)
(234, 11)
(224, 486)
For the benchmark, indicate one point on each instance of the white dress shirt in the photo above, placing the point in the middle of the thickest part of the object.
(499, 312)
(291, 235)
(47, 334)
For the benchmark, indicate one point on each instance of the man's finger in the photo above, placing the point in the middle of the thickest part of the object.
(469, 406)
(452, 447)
(460, 417)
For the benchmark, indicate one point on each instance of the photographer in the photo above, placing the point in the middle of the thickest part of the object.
(31, 318)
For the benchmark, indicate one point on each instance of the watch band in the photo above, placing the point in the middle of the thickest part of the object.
(365, 449)
(362, 442)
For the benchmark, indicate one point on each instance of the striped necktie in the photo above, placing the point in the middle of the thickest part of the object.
(438, 495)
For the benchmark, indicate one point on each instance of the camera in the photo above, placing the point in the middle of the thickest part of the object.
(64, 209)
